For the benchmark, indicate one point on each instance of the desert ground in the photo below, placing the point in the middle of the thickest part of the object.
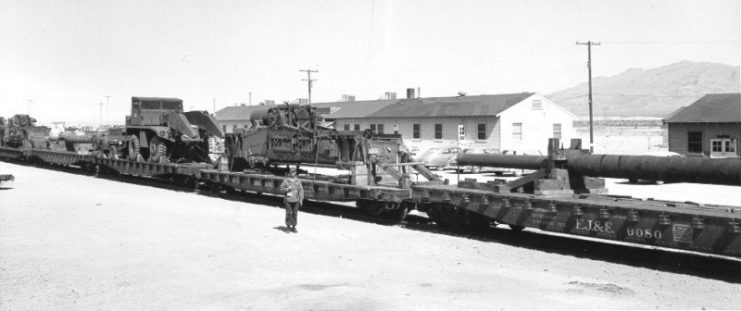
(76, 242)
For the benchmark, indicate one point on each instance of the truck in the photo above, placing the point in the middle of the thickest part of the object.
(159, 131)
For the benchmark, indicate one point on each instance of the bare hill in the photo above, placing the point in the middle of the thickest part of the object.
(653, 92)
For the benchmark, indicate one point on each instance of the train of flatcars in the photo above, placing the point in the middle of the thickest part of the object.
(564, 194)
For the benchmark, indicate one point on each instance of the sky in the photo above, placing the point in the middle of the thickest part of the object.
(68, 60)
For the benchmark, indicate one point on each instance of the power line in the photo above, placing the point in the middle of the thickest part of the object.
(673, 42)
(309, 80)
(589, 67)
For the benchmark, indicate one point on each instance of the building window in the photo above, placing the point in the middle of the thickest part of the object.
(373, 128)
(396, 129)
(234, 127)
(694, 142)
(481, 131)
(461, 132)
(357, 127)
(723, 145)
(380, 128)
(223, 127)
(537, 104)
(517, 131)
(347, 127)
(716, 145)
(438, 131)
(557, 130)
(416, 134)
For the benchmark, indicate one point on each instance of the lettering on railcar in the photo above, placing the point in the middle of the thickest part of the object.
(644, 233)
(682, 233)
(595, 226)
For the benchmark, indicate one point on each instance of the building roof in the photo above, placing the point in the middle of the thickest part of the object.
(238, 112)
(461, 106)
(354, 109)
(711, 108)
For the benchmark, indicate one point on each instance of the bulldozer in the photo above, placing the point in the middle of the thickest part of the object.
(158, 131)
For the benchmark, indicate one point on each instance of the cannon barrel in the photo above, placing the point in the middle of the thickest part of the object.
(77, 139)
(674, 169)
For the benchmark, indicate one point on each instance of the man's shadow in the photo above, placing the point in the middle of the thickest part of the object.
(283, 228)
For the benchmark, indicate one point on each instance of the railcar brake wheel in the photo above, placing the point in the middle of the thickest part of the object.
(133, 148)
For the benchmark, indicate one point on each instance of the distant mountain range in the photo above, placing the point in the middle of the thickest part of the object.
(653, 92)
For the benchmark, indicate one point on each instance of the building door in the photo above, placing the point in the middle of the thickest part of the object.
(723, 148)
(461, 132)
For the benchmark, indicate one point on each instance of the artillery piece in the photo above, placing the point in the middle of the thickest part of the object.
(572, 168)
(566, 194)
(20, 131)
(291, 134)
(159, 131)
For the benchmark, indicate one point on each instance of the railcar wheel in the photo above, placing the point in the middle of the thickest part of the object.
(516, 228)
(133, 148)
(370, 207)
(479, 223)
(400, 213)
(374, 208)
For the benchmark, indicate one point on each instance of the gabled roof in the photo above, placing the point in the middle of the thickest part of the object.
(354, 109)
(462, 106)
(711, 108)
(238, 112)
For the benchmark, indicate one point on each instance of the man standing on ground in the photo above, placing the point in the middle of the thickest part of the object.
(294, 198)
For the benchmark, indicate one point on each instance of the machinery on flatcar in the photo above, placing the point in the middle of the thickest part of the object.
(159, 131)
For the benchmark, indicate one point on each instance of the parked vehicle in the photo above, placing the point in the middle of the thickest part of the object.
(439, 158)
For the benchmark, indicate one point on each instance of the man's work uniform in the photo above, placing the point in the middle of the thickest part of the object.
(293, 200)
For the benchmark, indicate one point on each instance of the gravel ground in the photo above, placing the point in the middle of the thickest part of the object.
(72, 242)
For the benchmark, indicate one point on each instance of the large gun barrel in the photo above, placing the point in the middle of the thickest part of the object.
(673, 169)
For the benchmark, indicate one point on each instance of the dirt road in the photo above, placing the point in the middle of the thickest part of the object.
(72, 242)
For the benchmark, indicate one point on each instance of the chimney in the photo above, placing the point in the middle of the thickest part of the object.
(410, 93)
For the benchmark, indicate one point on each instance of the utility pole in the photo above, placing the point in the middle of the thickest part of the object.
(309, 80)
(589, 67)
(106, 108)
(100, 118)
